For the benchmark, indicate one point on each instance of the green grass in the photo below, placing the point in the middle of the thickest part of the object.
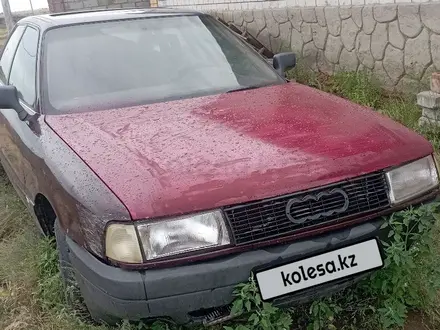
(31, 293)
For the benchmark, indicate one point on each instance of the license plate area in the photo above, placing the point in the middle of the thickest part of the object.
(323, 268)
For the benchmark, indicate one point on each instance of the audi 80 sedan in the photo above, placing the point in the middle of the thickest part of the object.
(172, 162)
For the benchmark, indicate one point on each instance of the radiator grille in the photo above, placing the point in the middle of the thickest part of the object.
(267, 219)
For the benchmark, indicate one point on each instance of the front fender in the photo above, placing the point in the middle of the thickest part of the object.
(83, 203)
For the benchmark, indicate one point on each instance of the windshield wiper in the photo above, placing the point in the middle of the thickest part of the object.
(243, 88)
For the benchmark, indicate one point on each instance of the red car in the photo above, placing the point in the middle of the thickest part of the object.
(171, 162)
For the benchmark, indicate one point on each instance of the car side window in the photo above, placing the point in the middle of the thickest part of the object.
(9, 52)
(24, 67)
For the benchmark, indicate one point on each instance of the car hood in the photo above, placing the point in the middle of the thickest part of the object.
(184, 156)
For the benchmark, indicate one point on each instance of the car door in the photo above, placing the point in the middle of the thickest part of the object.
(5, 68)
(19, 138)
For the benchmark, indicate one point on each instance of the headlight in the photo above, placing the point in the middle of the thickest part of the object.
(122, 244)
(183, 234)
(166, 237)
(412, 179)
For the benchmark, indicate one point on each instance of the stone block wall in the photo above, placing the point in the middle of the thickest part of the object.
(399, 43)
(56, 6)
(204, 5)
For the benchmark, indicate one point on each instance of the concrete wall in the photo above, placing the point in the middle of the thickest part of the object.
(56, 6)
(400, 43)
(209, 5)
(398, 40)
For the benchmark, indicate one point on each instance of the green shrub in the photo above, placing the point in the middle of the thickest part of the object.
(411, 276)
(259, 315)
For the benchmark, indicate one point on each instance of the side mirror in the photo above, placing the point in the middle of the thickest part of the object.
(283, 62)
(9, 100)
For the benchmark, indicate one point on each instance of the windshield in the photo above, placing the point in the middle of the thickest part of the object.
(123, 63)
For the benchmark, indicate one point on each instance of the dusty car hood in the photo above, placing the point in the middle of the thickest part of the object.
(195, 154)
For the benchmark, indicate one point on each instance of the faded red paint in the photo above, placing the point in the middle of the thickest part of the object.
(184, 156)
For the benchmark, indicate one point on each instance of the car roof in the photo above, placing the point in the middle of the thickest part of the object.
(78, 17)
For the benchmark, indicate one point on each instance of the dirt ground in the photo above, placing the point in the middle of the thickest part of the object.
(417, 322)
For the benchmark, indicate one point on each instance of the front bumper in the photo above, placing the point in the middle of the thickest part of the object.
(183, 292)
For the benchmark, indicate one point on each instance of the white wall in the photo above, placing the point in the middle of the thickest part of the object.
(24, 5)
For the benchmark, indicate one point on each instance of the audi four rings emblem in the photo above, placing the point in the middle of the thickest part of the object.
(316, 198)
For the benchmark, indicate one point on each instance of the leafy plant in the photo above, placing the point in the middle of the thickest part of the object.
(322, 314)
(258, 314)
(411, 276)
